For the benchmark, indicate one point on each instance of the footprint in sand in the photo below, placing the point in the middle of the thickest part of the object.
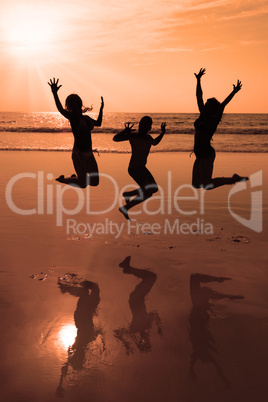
(41, 277)
(240, 239)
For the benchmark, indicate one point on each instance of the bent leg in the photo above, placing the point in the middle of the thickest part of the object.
(221, 181)
(129, 194)
(86, 170)
(147, 183)
(148, 279)
(148, 187)
(92, 170)
(206, 169)
(80, 179)
(143, 195)
(196, 180)
(80, 169)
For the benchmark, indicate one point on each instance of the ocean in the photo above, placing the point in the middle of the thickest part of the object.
(49, 131)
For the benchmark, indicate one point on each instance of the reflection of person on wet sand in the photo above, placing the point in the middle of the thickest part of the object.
(200, 337)
(83, 159)
(89, 298)
(141, 143)
(205, 126)
(138, 331)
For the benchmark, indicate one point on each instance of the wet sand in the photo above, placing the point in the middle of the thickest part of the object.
(184, 319)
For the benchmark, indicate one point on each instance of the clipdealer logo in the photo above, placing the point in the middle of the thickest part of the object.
(51, 198)
(50, 201)
(255, 221)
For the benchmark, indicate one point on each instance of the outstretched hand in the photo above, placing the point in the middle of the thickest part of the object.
(238, 86)
(102, 102)
(163, 128)
(202, 71)
(128, 127)
(54, 85)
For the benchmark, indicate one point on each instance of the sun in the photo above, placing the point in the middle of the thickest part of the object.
(29, 31)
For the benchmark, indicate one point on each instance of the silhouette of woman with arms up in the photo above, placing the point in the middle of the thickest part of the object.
(141, 143)
(205, 126)
(82, 155)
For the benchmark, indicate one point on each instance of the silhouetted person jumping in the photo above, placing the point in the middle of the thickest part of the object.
(141, 143)
(205, 126)
(203, 343)
(88, 294)
(138, 331)
(83, 159)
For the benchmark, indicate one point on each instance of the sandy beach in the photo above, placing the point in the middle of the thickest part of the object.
(184, 319)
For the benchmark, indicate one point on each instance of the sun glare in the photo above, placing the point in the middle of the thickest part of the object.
(29, 31)
(67, 335)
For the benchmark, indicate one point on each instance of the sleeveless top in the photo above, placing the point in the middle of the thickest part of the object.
(205, 127)
(81, 128)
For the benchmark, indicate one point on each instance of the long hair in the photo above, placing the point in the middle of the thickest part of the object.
(212, 108)
(211, 114)
(74, 102)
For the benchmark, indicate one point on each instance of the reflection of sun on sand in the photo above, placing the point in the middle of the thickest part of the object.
(67, 335)
(77, 339)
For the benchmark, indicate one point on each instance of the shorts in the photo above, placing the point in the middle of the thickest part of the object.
(142, 177)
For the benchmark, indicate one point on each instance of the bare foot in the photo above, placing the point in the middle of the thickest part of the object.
(125, 263)
(231, 297)
(223, 278)
(238, 178)
(60, 178)
(123, 210)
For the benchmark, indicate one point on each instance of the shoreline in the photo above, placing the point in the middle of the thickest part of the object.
(129, 152)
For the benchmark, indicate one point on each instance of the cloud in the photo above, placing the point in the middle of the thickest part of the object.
(88, 28)
(254, 12)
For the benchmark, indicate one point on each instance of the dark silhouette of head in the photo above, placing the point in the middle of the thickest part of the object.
(211, 109)
(211, 106)
(145, 124)
(74, 104)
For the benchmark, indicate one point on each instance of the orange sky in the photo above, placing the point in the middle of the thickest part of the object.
(140, 55)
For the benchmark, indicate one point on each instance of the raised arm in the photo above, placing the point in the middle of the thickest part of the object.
(124, 135)
(237, 88)
(53, 83)
(159, 138)
(199, 92)
(98, 122)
